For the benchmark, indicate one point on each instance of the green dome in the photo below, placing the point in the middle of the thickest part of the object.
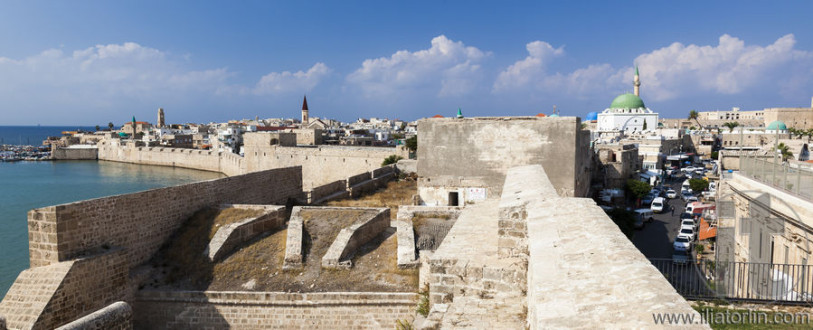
(554, 115)
(627, 101)
(777, 126)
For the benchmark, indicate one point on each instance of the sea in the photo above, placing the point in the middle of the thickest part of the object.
(28, 185)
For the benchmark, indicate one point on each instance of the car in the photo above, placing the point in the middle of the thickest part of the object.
(647, 200)
(688, 223)
(685, 195)
(642, 216)
(688, 232)
(682, 243)
(671, 193)
(658, 205)
(691, 199)
(686, 215)
(656, 192)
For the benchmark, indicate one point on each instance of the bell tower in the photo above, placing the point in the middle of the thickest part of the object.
(305, 119)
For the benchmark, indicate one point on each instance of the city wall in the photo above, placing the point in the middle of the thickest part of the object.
(320, 164)
(63, 153)
(264, 310)
(141, 222)
(206, 160)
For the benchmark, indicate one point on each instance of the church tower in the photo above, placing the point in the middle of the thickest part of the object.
(305, 120)
(161, 117)
(636, 82)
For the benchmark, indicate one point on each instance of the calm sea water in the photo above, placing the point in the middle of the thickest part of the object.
(28, 185)
(34, 135)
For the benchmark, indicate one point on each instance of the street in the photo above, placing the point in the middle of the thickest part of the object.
(656, 238)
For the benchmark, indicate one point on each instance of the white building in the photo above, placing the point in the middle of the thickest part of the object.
(627, 114)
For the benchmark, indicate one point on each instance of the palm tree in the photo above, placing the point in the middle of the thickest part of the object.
(784, 150)
(693, 115)
(110, 125)
(731, 125)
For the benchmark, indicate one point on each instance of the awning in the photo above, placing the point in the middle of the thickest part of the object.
(706, 231)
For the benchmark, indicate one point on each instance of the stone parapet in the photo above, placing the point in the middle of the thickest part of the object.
(353, 237)
(230, 236)
(116, 316)
(293, 241)
(263, 310)
(406, 244)
(321, 193)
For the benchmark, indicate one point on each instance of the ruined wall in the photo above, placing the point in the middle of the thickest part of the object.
(485, 148)
(351, 238)
(320, 164)
(206, 160)
(141, 222)
(264, 310)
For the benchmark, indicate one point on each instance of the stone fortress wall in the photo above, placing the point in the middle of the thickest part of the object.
(85, 255)
(263, 151)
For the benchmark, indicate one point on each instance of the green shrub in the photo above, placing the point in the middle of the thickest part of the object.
(391, 159)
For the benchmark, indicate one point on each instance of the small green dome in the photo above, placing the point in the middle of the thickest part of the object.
(777, 126)
(554, 115)
(627, 101)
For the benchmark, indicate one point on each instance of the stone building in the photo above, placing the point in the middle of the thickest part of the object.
(618, 163)
(753, 137)
(463, 160)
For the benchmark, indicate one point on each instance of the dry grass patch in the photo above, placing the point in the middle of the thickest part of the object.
(397, 193)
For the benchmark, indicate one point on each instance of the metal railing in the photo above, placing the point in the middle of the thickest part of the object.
(740, 281)
(795, 178)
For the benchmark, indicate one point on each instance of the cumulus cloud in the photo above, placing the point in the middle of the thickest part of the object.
(286, 81)
(447, 68)
(730, 67)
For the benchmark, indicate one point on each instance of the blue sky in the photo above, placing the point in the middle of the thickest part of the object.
(91, 62)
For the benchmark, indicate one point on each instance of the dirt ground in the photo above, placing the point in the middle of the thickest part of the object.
(257, 266)
(397, 193)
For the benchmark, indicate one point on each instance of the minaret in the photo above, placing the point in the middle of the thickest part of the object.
(160, 117)
(636, 81)
(305, 111)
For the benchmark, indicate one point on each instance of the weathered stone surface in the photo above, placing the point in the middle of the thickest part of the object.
(406, 244)
(293, 241)
(351, 238)
(264, 310)
(230, 236)
(116, 316)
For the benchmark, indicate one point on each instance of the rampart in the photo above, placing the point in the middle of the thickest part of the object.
(141, 222)
(75, 153)
(206, 160)
(264, 310)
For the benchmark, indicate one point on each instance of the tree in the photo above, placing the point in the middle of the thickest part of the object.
(638, 189)
(97, 128)
(784, 151)
(698, 184)
(714, 154)
(412, 143)
(694, 115)
(731, 125)
(625, 220)
(391, 159)
(110, 125)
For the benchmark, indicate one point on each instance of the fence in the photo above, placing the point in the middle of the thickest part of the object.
(740, 281)
(796, 178)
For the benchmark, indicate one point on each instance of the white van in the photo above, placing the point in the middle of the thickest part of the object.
(643, 215)
(658, 205)
(686, 185)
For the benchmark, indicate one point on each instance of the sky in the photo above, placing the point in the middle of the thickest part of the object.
(94, 62)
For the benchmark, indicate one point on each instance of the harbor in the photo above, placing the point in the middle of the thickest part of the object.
(14, 153)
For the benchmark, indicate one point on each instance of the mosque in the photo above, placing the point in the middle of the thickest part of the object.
(626, 115)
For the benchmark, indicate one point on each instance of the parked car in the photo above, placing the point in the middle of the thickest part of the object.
(671, 193)
(688, 223)
(691, 199)
(658, 205)
(688, 232)
(685, 195)
(647, 200)
(642, 216)
(682, 243)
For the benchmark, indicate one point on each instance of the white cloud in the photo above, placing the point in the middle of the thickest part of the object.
(286, 81)
(730, 67)
(447, 68)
